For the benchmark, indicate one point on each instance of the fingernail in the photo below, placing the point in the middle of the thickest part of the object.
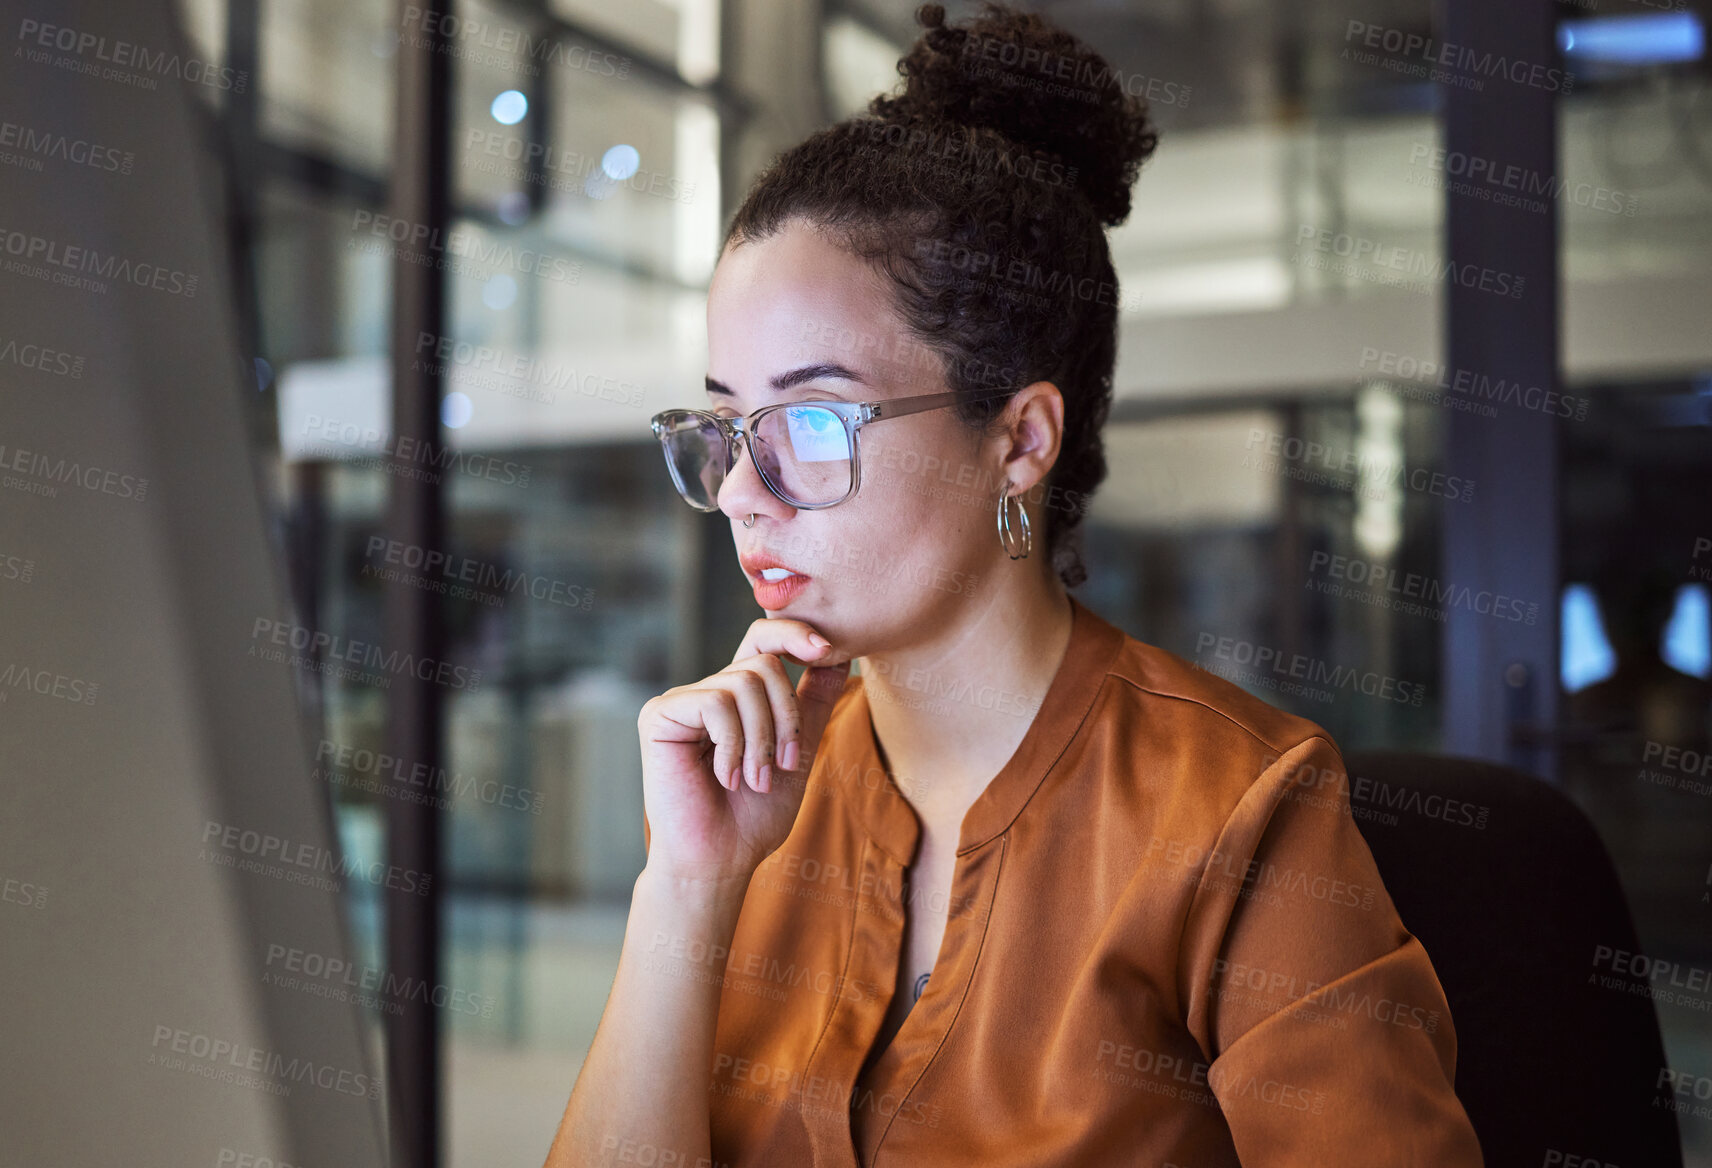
(766, 776)
(788, 756)
(819, 641)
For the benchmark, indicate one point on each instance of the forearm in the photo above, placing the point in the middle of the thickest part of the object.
(645, 1079)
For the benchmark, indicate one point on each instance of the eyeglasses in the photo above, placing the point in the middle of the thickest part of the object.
(808, 453)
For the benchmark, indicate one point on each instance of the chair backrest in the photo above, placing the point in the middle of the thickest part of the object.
(1509, 888)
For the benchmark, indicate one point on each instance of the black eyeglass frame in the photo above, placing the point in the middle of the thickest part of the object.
(854, 415)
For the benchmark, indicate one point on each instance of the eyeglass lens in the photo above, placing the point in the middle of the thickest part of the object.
(803, 452)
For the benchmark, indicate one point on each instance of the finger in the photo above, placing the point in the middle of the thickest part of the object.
(756, 710)
(798, 641)
(786, 722)
(703, 718)
(817, 692)
(724, 722)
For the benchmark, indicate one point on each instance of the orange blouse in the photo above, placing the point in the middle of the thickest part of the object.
(1167, 945)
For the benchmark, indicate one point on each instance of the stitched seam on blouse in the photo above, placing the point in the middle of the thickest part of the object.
(1226, 715)
(1308, 1001)
(975, 967)
(838, 997)
(1081, 722)
(1201, 882)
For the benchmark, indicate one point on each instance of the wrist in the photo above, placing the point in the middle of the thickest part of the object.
(694, 886)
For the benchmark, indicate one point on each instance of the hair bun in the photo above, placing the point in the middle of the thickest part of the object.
(1040, 87)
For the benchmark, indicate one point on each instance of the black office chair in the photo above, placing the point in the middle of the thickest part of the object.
(1511, 890)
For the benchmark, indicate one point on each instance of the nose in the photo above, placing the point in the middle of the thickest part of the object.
(744, 493)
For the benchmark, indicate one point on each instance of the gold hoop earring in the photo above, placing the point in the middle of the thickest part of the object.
(750, 522)
(1007, 538)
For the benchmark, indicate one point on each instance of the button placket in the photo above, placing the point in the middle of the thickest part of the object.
(864, 991)
(900, 1068)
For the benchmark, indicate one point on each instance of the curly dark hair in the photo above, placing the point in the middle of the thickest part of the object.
(983, 191)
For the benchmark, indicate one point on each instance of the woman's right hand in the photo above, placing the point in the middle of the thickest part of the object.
(725, 760)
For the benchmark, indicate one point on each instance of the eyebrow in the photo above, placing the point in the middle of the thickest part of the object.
(797, 377)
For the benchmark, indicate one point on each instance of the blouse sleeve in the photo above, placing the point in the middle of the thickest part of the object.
(1326, 1029)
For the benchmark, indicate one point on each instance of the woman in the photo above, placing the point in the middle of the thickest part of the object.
(1025, 890)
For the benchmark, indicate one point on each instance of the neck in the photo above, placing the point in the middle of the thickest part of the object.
(949, 711)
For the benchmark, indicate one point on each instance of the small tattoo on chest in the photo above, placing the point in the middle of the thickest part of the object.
(920, 984)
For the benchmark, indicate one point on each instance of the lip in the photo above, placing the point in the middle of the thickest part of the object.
(772, 595)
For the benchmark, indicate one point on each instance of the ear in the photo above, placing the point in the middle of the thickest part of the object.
(1030, 435)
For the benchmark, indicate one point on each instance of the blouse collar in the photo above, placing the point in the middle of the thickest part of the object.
(880, 808)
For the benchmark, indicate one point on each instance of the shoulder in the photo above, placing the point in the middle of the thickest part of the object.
(1190, 695)
(1211, 739)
